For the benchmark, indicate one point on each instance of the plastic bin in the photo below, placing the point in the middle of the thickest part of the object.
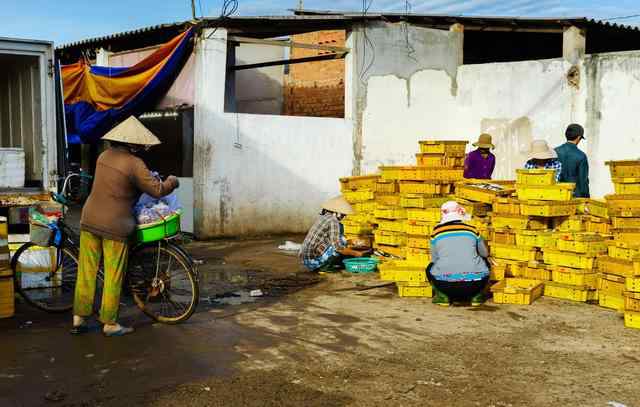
(418, 201)
(548, 209)
(390, 238)
(611, 284)
(623, 250)
(364, 182)
(519, 253)
(593, 207)
(398, 226)
(557, 192)
(390, 212)
(631, 303)
(625, 223)
(624, 168)
(615, 302)
(502, 236)
(438, 160)
(517, 291)
(413, 227)
(168, 227)
(407, 290)
(388, 199)
(519, 222)
(536, 177)
(623, 205)
(425, 187)
(626, 186)
(567, 259)
(537, 271)
(632, 284)
(486, 192)
(358, 196)
(424, 215)
(569, 276)
(570, 292)
(418, 242)
(632, 319)
(418, 257)
(582, 247)
(386, 187)
(398, 252)
(448, 147)
(365, 207)
(618, 267)
(506, 206)
(355, 228)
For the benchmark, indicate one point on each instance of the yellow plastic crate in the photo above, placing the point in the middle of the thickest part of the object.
(568, 259)
(536, 177)
(506, 206)
(632, 284)
(631, 303)
(425, 187)
(611, 284)
(618, 267)
(474, 209)
(497, 272)
(626, 186)
(520, 253)
(626, 235)
(416, 201)
(448, 147)
(403, 271)
(388, 199)
(365, 207)
(632, 319)
(398, 252)
(517, 291)
(548, 209)
(545, 240)
(513, 268)
(407, 290)
(624, 168)
(418, 257)
(576, 223)
(353, 228)
(358, 196)
(485, 192)
(557, 192)
(424, 215)
(623, 205)
(414, 227)
(390, 212)
(615, 302)
(364, 182)
(536, 271)
(418, 242)
(593, 207)
(386, 187)
(625, 223)
(398, 226)
(438, 160)
(570, 292)
(569, 276)
(623, 250)
(502, 236)
(390, 238)
(392, 173)
(598, 227)
(518, 222)
(527, 238)
(357, 218)
(577, 246)
(444, 174)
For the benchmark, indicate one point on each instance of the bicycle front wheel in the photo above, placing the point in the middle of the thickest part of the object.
(162, 283)
(46, 276)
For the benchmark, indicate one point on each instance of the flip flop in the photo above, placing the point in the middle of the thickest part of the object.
(120, 332)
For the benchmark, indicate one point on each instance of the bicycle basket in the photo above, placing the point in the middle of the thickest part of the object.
(164, 228)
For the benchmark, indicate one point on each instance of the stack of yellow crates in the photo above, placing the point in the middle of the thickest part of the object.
(405, 221)
(632, 302)
(360, 193)
(6, 275)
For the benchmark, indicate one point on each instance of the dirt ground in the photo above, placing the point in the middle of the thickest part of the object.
(323, 341)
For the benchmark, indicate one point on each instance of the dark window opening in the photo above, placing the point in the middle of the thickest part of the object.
(481, 47)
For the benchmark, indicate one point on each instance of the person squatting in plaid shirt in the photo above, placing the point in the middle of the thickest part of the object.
(543, 157)
(325, 245)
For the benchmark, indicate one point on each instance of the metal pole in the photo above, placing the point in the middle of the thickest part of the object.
(193, 9)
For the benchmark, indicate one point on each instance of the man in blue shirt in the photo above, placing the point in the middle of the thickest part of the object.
(575, 167)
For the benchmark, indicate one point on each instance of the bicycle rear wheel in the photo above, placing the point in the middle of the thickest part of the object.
(162, 283)
(46, 276)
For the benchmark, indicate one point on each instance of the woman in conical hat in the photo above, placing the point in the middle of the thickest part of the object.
(325, 245)
(107, 221)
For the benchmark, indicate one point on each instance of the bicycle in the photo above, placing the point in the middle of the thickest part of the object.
(162, 277)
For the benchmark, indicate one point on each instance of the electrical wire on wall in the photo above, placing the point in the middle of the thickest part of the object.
(366, 42)
(229, 7)
(405, 27)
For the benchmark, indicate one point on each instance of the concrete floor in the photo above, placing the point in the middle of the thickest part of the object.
(323, 341)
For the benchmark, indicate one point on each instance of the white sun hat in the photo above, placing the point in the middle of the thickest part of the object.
(131, 131)
(452, 211)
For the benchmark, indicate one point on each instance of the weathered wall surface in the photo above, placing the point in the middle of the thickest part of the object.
(316, 88)
(259, 173)
(515, 102)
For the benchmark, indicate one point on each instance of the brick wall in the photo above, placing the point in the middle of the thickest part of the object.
(315, 88)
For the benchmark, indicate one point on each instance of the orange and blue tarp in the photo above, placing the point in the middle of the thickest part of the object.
(97, 98)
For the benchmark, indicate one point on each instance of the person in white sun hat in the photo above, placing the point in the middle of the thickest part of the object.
(541, 156)
(459, 269)
(107, 222)
(325, 246)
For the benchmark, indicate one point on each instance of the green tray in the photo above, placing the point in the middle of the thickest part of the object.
(169, 226)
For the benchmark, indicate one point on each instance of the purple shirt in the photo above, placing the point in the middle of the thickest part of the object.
(476, 166)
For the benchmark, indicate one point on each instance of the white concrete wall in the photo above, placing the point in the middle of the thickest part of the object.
(515, 102)
(257, 174)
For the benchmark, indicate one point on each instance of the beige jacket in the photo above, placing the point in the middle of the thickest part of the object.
(120, 179)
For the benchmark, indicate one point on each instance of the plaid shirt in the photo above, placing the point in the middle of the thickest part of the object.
(554, 164)
(324, 234)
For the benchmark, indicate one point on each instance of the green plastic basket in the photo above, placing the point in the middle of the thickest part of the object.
(361, 265)
(162, 229)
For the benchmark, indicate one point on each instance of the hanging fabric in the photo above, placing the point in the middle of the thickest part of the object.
(96, 98)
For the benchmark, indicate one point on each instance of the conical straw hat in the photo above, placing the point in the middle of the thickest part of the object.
(540, 150)
(338, 205)
(131, 131)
